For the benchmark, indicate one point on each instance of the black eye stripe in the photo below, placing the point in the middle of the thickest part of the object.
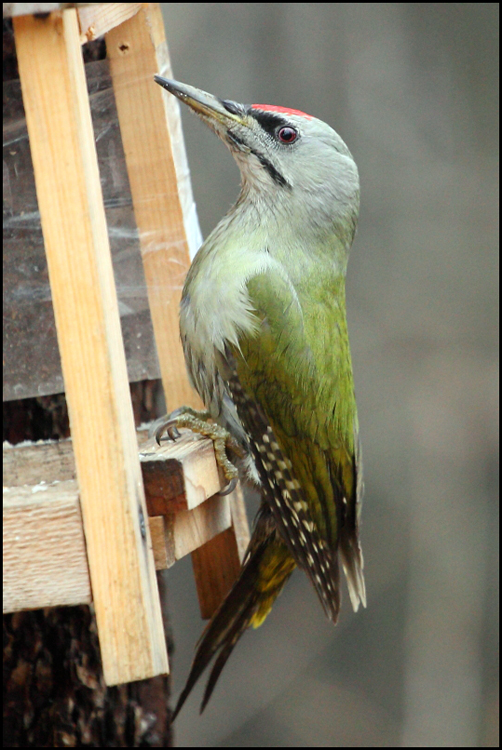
(274, 124)
(269, 121)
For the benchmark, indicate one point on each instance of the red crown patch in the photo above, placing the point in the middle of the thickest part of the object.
(282, 110)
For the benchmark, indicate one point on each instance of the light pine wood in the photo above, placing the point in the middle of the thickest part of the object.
(184, 471)
(96, 20)
(217, 563)
(44, 554)
(119, 546)
(156, 162)
(216, 566)
(193, 528)
(32, 463)
(23, 9)
(179, 475)
(163, 204)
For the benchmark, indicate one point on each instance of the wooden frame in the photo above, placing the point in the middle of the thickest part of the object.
(45, 560)
(84, 528)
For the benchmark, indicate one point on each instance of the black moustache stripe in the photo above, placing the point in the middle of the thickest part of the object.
(277, 177)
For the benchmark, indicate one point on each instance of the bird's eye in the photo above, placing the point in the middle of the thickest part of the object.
(287, 135)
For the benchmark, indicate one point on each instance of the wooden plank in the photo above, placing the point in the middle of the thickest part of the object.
(44, 555)
(45, 561)
(160, 184)
(24, 9)
(165, 215)
(177, 475)
(32, 463)
(159, 543)
(192, 529)
(217, 563)
(239, 521)
(69, 195)
(216, 566)
(96, 20)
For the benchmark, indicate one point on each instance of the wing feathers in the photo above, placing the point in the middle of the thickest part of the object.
(286, 498)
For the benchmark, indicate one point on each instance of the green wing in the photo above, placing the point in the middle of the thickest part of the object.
(294, 379)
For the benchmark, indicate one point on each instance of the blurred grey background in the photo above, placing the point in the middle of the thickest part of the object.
(413, 90)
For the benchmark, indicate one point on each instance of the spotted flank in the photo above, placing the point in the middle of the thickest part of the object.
(287, 501)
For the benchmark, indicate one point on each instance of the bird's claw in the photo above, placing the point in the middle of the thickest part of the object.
(172, 431)
(230, 487)
(222, 440)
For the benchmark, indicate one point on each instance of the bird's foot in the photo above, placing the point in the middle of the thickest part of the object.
(199, 422)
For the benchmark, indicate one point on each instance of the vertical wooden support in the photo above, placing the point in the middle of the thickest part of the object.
(123, 579)
(217, 563)
(161, 192)
(167, 223)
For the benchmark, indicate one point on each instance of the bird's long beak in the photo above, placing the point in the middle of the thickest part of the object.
(209, 107)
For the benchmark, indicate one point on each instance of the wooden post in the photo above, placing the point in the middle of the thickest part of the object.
(160, 185)
(119, 549)
(167, 223)
(217, 563)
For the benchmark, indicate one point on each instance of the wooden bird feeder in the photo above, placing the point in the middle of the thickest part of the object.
(90, 519)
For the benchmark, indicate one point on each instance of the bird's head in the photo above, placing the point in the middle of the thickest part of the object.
(289, 160)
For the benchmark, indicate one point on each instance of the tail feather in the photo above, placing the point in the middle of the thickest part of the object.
(266, 568)
(353, 564)
(220, 662)
(350, 548)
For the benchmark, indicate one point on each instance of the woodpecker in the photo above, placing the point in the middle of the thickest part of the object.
(264, 332)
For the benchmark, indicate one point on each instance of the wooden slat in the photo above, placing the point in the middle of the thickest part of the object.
(160, 543)
(217, 563)
(165, 215)
(32, 463)
(45, 561)
(219, 555)
(23, 9)
(162, 198)
(239, 521)
(44, 555)
(181, 474)
(193, 528)
(96, 20)
(69, 196)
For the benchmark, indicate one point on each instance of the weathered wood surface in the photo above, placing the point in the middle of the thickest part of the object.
(45, 561)
(90, 343)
